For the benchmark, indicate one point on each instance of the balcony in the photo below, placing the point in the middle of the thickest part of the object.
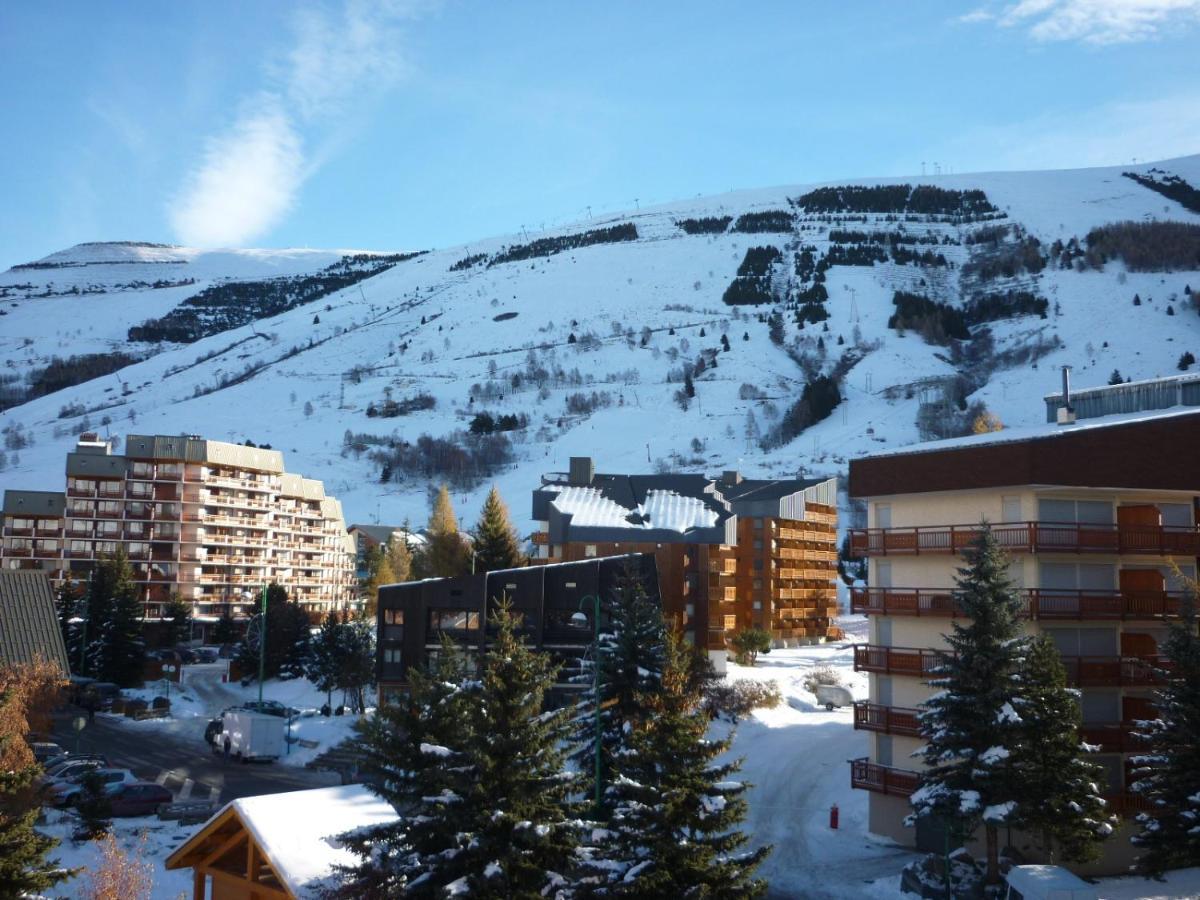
(1082, 671)
(1030, 537)
(1039, 603)
(886, 719)
(868, 776)
(18, 532)
(895, 660)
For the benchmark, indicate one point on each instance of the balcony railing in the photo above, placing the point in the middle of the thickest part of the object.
(1082, 671)
(1030, 537)
(1039, 603)
(868, 776)
(886, 719)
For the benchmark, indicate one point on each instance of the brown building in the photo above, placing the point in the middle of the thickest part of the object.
(1095, 513)
(207, 520)
(731, 552)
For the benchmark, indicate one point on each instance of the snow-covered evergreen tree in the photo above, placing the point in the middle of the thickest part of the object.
(970, 724)
(116, 650)
(630, 657)
(1168, 773)
(415, 749)
(1061, 803)
(675, 808)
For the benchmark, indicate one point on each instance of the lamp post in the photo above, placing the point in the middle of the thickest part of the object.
(580, 618)
(262, 646)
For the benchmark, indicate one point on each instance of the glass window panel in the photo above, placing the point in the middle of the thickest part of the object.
(1177, 515)
(1097, 576)
(1094, 512)
(1100, 706)
(1056, 510)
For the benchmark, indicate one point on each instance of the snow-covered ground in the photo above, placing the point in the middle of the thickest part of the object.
(204, 695)
(421, 327)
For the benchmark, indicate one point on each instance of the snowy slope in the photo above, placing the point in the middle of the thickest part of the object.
(420, 327)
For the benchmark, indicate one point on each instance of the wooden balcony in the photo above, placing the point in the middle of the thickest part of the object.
(1082, 671)
(895, 660)
(18, 532)
(1030, 537)
(868, 776)
(1038, 603)
(886, 719)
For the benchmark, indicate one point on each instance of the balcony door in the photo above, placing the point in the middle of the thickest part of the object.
(1084, 641)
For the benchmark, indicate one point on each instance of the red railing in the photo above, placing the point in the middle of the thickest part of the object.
(1030, 537)
(868, 776)
(886, 719)
(1082, 671)
(1039, 603)
(18, 532)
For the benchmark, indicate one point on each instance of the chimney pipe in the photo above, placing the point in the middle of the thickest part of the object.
(1066, 415)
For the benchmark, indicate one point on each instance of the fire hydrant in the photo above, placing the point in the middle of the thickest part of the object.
(833, 817)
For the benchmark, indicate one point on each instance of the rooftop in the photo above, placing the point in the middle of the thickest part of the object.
(28, 623)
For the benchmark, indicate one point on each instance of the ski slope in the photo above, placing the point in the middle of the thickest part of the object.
(421, 327)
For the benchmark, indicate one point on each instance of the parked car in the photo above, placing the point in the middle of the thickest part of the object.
(67, 793)
(186, 655)
(99, 695)
(208, 654)
(1046, 883)
(139, 798)
(74, 765)
(44, 751)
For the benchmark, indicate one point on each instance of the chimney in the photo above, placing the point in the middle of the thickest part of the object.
(1066, 414)
(731, 476)
(583, 471)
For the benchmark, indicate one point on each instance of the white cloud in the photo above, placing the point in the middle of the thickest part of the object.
(250, 176)
(1097, 22)
(246, 182)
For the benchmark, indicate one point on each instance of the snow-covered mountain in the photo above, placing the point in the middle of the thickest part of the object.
(583, 335)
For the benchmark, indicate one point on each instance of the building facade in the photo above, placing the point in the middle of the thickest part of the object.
(1095, 514)
(207, 520)
(555, 605)
(732, 552)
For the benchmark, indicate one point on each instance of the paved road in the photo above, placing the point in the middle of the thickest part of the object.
(182, 762)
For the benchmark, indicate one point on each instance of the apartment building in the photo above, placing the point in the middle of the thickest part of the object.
(208, 520)
(555, 605)
(1094, 513)
(731, 552)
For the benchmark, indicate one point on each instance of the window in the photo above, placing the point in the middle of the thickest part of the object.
(391, 656)
(758, 604)
(456, 619)
(589, 550)
(758, 564)
(393, 617)
(758, 544)
(883, 515)
(758, 583)
(758, 524)
(730, 623)
(1088, 512)
(564, 619)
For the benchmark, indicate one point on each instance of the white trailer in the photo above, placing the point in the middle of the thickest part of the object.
(249, 735)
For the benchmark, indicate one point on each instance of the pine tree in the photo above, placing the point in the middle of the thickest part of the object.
(415, 751)
(1115, 377)
(116, 651)
(970, 724)
(1168, 773)
(71, 615)
(179, 628)
(321, 667)
(1061, 803)
(226, 629)
(676, 811)
(630, 655)
(446, 554)
(689, 386)
(25, 869)
(524, 835)
(94, 807)
(356, 660)
(496, 543)
(286, 633)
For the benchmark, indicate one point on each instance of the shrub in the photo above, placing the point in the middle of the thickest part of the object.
(1186, 361)
(748, 643)
(734, 701)
(391, 409)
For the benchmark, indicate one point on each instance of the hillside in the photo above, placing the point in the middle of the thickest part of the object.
(582, 340)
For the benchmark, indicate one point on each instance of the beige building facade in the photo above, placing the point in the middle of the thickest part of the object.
(207, 520)
(1100, 520)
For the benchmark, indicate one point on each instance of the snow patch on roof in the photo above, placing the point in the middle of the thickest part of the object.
(589, 508)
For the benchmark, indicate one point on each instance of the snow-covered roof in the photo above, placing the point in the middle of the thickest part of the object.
(298, 831)
(1043, 431)
(661, 509)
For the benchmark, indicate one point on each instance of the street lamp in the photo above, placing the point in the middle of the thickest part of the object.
(579, 618)
(262, 640)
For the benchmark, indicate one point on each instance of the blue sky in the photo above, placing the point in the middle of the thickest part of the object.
(407, 124)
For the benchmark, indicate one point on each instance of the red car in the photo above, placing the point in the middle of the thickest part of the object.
(139, 798)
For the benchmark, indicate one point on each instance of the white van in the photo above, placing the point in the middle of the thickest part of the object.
(1046, 883)
(249, 735)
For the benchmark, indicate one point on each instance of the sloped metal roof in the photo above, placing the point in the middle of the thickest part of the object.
(28, 624)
